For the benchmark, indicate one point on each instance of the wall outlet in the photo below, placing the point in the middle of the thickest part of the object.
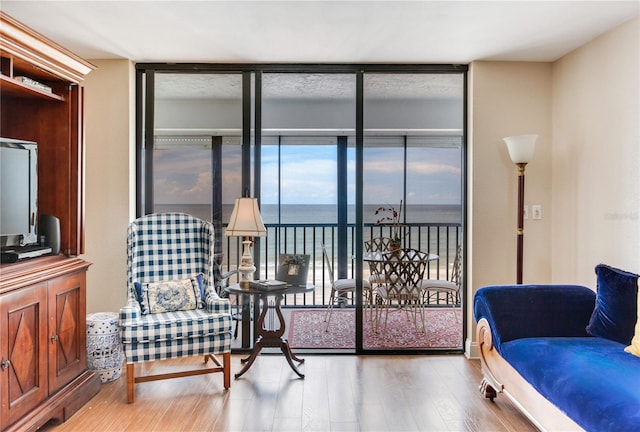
(537, 211)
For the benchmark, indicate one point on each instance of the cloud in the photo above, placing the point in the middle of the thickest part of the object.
(182, 176)
(429, 168)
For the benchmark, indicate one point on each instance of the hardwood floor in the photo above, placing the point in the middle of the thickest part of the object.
(339, 393)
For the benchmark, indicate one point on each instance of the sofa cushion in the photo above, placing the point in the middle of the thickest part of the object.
(616, 310)
(591, 379)
(174, 326)
(176, 334)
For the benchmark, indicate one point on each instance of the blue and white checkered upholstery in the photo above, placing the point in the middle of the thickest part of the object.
(171, 246)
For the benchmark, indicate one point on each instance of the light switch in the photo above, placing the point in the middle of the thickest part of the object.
(537, 211)
(525, 212)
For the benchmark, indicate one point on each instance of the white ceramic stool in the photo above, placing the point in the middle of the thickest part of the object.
(104, 350)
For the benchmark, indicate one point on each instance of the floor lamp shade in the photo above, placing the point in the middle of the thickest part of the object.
(521, 149)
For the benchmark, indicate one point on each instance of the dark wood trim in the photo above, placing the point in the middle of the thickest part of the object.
(23, 273)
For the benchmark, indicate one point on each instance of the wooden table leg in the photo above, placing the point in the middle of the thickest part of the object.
(271, 338)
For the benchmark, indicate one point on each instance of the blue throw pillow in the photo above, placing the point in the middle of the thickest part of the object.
(616, 311)
(138, 287)
(200, 280)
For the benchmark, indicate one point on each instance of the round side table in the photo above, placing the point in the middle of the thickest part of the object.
(267, 337)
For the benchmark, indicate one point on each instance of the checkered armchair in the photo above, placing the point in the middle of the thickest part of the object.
(173, 309)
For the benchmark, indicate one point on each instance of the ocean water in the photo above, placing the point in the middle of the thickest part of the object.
(325, 214)
(309, 237)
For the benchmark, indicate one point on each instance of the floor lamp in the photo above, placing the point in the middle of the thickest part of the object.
(246, 222)
(521, 149)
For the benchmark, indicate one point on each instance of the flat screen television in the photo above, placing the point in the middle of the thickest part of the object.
(18, 192)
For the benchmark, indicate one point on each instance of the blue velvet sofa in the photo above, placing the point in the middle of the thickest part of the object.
(537, 347)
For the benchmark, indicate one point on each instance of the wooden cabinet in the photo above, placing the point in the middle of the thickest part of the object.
(53, 119)
(43, 371)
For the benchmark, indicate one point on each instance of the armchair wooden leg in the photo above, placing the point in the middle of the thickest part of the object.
(213, 358)
(130, 381)
(225, 368)
(226, 361)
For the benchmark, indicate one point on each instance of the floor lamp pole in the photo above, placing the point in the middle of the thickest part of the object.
(520, 242)
(520, 151)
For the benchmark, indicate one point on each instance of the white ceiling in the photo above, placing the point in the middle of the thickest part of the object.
(322, 31)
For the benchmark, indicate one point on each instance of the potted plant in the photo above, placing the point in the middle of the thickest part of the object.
(391, 216)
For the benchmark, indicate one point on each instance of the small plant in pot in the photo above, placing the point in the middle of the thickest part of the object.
(391, 216)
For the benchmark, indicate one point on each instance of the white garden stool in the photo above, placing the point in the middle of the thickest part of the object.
(104, 350)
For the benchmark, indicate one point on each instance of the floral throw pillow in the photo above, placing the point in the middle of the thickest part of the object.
(170, 296)
(634, 348)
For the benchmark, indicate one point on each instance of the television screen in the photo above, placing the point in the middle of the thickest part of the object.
(18, 192)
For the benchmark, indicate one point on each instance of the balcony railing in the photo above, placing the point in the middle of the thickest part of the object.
(435, 238)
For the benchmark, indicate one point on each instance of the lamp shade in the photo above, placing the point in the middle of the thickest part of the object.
(521, 147)
(245, 219)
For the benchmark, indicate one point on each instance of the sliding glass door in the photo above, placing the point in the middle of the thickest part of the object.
(337, 155)
(307, 120)
(413, 196)
(195, 148)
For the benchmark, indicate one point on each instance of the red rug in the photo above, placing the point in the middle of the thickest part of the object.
(307, 330)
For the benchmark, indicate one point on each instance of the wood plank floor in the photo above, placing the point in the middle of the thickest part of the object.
(339, 393)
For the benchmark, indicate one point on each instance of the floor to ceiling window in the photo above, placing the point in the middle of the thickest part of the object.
(412, 192)
(323, 148)
(196, 145)
(305, 122)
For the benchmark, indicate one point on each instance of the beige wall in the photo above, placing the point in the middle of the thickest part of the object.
(596, 157)
(110, 127)
(507, 99)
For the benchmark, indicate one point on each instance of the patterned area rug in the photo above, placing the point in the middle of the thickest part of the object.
(307, 330)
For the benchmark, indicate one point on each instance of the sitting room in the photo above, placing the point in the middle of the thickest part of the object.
(275, 215)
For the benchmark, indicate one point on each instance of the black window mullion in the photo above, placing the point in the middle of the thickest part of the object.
(149, 130)
(140, 94)
(404, 181)
(257, 165)
(216, 191)
(359, 203)
(246, 134)
(341, 161)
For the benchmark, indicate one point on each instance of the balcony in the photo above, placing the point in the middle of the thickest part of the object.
(435, 238)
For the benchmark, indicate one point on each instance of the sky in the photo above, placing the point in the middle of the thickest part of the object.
(308, 175)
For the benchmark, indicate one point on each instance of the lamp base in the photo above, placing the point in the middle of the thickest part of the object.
(246, 267)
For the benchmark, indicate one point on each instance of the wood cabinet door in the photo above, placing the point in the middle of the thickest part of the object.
(23, 352)
(67, 329)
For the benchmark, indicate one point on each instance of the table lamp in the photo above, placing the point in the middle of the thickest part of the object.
(521, 149)
(246, 222)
